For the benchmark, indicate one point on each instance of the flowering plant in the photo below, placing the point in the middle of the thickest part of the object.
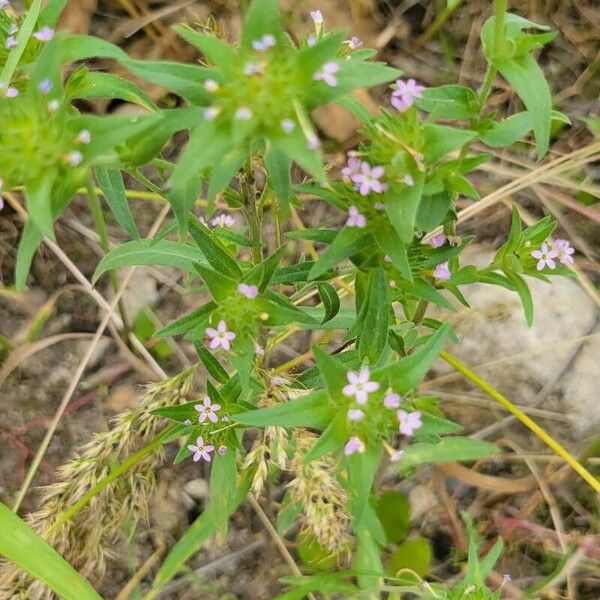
(392, 242)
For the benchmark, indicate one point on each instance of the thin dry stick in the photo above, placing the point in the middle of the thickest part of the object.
(285, 553)
(82, 366)
(140, 574)
(564, 163)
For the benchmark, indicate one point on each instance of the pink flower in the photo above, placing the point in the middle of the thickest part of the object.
(352, 168)
(84, 137)
(45, 34)
(223, 221)
(368, 179)
(75, 158)
(409, 422)
(220, 337)
(211, 86)
(327, 74)
(355, 414)
(391, 400)
(222, 450)
(10, 43)
(288, 125)
(359, 385)
(259, 350)
(263, 44)
(317, 17)
(564, 250)
(211, 113)
(355, 219)
(437, 241)
(243, 114)
(396, 455)
(314, 143)
(353, 446)
(442, 272)
(545, 257)
(207, 410)
(11, 92)
(250, 291)
(404, 95)
(200, 450)
(354, 42)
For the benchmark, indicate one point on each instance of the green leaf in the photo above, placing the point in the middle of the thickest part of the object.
(278, 171)
(389, 241)
(361, 472)
(27, 549)
(348, 242)
(311, 410)
(331, 440)
(414, 554)
(287, 514)
(185, 323)
(262, 273)
(312, 554)
(432, 210)
(408, 372)
(51, 13)
(402, 206)
(330, 300)
(113, 188)
(182, 79)
(218, 258)
(38, 195)
(94, 84)
(367, 559)
(221, 176)
(374, 318)
(449, 449)
(524, 294)
(393, 510)
(441, 139)
(332, 370)
(282, 312)
(213, 366)
(223, 478)
(214, 49)
(528, 80)
(449, 102)
(220, 286)
(151, 252)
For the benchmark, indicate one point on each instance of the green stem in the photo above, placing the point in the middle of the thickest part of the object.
(249, 210)
(499, 20)
(14, 57)
(100, 225)
(114, 474)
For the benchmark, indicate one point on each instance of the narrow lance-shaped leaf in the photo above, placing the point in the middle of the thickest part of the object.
(113, 188)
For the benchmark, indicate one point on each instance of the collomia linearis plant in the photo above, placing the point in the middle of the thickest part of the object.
(313, 437)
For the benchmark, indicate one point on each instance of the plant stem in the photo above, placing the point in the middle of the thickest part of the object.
(114, 474)
(250, 212)
(519, 414)
(100, 225)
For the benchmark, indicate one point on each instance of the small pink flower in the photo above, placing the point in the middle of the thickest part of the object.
(311, 40)
(10, 43)
(317, 17)
(404, 94)
(396, 455)
(442, 272)
(259, 350)
(263, 44)
(288, 125)
(11, 92)
(359, 385)
(391, 400)
(220, 337)
(354, 446)
(252, 68)
(379, 206)
(564, 250)
(250, 291)
(222, 450)
(207, 410)
(355, 218)
(327, 74)
(409, 422)
(354, 42)
(355, 414)
(211, 113)
(437, 241)
(75, 158)
(84, 137)
(352, 168)
(45, 34)
(243, 114)
(314, 143)
(223, 221)
(367, 180)
(200, 450)
(545, 257)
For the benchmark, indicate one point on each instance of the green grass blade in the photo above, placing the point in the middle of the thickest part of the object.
(23, 546)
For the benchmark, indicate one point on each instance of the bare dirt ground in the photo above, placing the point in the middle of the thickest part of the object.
(552, 368)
